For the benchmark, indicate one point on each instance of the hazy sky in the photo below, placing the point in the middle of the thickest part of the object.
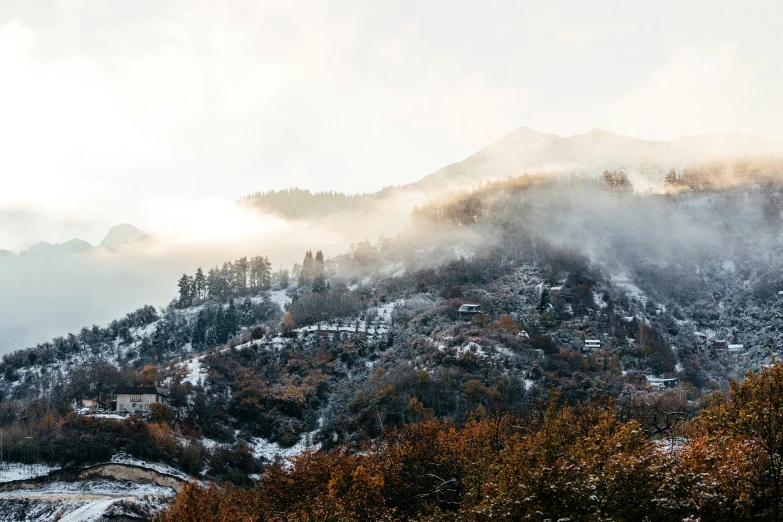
(137, 111)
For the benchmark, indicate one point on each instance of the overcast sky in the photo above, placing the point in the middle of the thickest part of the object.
(130, 111)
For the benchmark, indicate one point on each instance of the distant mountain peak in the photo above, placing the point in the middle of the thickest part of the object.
(527, 150)
(121, 235)
(73, 246)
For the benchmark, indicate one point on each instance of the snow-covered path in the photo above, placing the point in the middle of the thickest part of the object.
(83, 501)
(91, 510)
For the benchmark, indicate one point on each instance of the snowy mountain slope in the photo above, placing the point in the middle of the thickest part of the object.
(525, 150)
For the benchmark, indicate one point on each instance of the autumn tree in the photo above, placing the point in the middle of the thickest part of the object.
(149, 375)
(754, 412)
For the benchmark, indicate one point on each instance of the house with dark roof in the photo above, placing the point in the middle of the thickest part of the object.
(139, 398)
(469, 310)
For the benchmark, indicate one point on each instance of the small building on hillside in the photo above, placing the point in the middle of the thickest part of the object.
(467, 311)
(92, 404)
(591, 344)
(661, 383)
(139, 398)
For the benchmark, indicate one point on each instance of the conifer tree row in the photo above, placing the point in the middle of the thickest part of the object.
(241, 278)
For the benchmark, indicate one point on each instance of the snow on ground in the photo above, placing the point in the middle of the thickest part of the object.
(10, 471)
(122, 458)
(623, 282)
(670, 445)
(209, 443)
(108, 416)
(280, 298)
(379, 325)
(270, 450)
(83, 501)
(502, 350)
(145, 331)
(105, 487)
(194, 371)
(473, 347)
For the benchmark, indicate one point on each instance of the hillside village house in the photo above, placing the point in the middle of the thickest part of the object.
(469, 310)
(139, 398)
(661, 383)
(591, 344)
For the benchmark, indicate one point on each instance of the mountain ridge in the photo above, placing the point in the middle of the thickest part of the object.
(527, 150)
(117, 237)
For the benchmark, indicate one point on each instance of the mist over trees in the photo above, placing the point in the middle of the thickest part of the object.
(366, 356)
(297, 203)
(240, 278)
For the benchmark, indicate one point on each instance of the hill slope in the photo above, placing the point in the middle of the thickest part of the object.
(525, 150)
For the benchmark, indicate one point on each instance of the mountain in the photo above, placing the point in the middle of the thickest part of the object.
(526, 150)
(74, 246)
(584, 287)
(121, 235)
(116, 237)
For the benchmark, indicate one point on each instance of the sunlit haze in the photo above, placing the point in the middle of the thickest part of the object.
(126, 111)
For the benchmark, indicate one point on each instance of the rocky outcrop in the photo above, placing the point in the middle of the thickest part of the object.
(108, 471)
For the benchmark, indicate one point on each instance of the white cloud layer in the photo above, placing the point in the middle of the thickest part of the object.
(160, 113)
(119, 111)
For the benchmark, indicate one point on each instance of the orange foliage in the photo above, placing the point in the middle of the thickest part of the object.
(557, 463)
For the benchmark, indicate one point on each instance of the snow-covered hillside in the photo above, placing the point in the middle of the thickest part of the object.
(525, 150)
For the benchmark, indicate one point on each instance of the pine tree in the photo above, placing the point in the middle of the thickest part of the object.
(260, 273)
(319, 284)
(185, 284)
(306, 274)
(544, 301)
(199, 336)
(232, 319)
(221, 327)
(247, 312)
(241, 274)
(227, 279)
(266, 273)
(212, 337)
(199, 284)
(213, 283)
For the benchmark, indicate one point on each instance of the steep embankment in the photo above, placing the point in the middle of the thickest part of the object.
(105, 491)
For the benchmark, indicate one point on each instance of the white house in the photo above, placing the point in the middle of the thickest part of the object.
(469, 310)
(591, 344)
(661, 383)
(139, 398)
